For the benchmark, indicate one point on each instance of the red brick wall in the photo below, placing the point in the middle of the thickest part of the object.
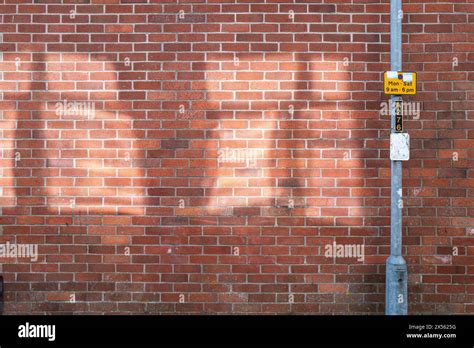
(228, 144)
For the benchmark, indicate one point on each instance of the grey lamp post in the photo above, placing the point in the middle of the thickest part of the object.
(396, 278)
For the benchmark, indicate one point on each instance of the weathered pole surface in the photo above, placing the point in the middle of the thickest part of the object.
(396, 273)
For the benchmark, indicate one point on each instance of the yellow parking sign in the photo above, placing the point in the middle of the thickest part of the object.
(399, 83)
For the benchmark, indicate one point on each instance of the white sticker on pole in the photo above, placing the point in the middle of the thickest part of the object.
(399, 146)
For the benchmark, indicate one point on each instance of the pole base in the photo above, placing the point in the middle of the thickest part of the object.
(396, 296)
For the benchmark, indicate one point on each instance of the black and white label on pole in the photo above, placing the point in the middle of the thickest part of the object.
(399, 141)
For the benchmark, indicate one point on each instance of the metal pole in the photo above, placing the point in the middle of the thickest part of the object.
(396, 278)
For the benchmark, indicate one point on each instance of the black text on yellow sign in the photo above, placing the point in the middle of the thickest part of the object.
(399, 83)
(398, 117)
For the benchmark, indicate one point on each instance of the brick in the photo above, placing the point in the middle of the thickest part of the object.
(236, 234)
